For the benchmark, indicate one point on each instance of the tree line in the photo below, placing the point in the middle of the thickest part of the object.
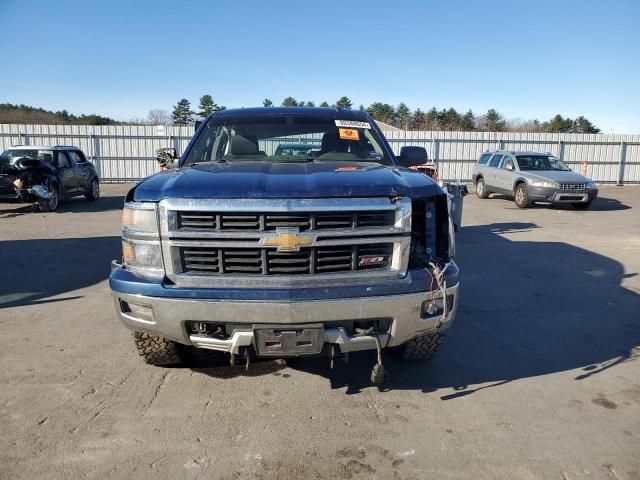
(10, 113)
(400, 116)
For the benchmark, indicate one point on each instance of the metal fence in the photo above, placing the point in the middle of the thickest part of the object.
(124, 153)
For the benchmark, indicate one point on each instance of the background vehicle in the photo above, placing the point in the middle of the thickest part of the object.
(46, 175)
(255, 255)
(531, 177)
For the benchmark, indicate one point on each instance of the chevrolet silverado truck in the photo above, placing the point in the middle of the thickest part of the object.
(241, 250)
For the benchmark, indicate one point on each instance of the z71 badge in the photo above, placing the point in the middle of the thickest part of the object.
(372, 261)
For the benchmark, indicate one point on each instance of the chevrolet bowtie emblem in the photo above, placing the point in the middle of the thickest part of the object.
(287, 240)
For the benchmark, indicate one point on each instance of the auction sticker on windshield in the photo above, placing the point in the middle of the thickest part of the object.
(348, 134)
(352, 124)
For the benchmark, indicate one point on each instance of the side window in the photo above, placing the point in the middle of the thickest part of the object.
(77, 156)
(508, 161)
(63, 159)
(495, 160)
(484, 158)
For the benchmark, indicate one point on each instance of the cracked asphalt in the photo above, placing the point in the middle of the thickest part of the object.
(538, 378)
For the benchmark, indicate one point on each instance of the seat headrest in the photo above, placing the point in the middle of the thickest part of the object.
(332, 143)
(244, 145)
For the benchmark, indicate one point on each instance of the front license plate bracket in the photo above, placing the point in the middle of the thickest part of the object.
(274, 340)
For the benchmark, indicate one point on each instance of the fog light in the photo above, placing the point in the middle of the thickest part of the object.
(141, 313)
(431, 308)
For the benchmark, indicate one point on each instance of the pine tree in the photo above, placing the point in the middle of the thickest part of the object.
(343, 103)
(493, 121)
(403, 114)
(182, 113)
(468, 122)
(324, 105)
(289, 102)
(267, 103)
(207, 106)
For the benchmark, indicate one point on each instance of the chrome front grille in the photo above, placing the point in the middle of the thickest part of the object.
(211, 243)
(266, 261)
(264, 222)
(572, 187)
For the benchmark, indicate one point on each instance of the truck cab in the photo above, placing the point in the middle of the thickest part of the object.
(248, 252)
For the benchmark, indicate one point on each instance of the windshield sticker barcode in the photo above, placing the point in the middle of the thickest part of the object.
(352, 124)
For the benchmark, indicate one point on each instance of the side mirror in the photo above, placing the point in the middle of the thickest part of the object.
(167, 157)
(412, 156)
(509, 166)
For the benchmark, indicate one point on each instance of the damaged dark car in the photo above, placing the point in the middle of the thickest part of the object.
(46, 175)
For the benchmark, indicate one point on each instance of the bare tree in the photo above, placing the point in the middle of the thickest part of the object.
(158, 116)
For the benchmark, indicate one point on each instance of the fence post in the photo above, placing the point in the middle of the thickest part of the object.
(560, 150)
(97, 154)
(436, 154)
(500, 144)
(623, 158)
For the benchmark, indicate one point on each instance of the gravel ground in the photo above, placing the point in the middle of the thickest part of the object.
(538, 378)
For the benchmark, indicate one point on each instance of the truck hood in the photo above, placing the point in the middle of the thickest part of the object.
(556, 176)
(251, 179)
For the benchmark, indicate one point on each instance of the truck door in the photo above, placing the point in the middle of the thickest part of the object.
(68, 182)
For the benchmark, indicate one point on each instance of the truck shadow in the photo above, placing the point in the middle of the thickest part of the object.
(527, 309)
(35, 270)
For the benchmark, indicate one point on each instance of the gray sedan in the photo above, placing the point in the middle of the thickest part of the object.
(532, 177)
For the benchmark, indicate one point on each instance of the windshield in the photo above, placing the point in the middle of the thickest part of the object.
(8, 157)
(540, 162)
(286, 138)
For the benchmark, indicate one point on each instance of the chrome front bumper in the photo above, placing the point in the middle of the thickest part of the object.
(168, 316)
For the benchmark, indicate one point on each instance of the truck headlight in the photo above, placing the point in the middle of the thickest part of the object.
(138, 254)
(543, 184)
(141, 251)
(139, 218)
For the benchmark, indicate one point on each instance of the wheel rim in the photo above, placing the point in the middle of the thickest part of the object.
(520, 195)
(53, 201)
(480, 187)
(95, 189)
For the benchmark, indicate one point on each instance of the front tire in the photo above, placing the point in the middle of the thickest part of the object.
(481, 189)
(50, 204)
(522, 196)
(422, 347)
(94, 191)
(157, 350)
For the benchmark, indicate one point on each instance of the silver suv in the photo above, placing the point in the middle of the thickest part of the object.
(532, 177)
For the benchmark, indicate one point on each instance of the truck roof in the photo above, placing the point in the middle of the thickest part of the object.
(306, 111)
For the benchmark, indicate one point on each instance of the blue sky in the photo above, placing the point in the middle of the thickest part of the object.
(526, 59)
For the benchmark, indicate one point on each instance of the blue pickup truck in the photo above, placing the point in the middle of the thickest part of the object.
(241, 250)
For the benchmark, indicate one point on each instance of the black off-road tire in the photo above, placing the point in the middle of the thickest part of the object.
(521, 196)
(481, 189)
(157, 350)
(51, 204)
(423, 347)
(94, 191)
(582, 206)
